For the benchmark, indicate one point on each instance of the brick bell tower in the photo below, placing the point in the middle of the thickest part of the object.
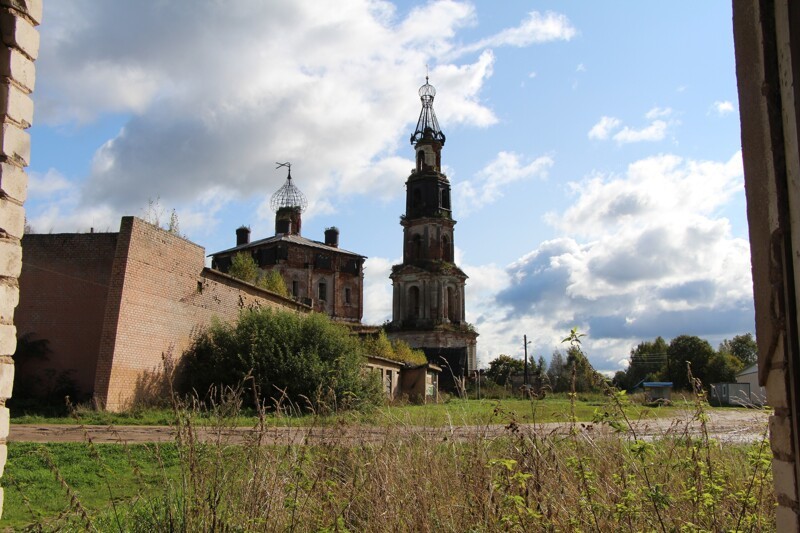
(428, 287)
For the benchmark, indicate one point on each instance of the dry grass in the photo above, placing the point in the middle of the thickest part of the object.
(412, 481)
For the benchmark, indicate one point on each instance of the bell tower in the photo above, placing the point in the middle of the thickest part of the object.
(428, 287)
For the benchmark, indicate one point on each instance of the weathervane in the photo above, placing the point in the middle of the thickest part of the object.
(287, 164)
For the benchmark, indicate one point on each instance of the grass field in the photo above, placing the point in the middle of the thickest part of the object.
(555, 408)
(519, 481)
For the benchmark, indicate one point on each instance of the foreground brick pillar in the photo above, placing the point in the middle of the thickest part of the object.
(19, 48)
(767, 39)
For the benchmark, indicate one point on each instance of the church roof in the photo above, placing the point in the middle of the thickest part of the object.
(289, 238)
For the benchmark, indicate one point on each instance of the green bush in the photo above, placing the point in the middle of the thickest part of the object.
(306, 359)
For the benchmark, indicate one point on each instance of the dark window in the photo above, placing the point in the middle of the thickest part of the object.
(416, 247)
(347, 295)
(323, 291)
(416, 199)
(322, 261)
(413, 302)
(295, 289)
(446, 255)
(445, 199)
(420, 159)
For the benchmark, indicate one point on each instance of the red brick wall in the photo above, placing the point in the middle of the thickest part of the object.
(63, 292)
(160, 294)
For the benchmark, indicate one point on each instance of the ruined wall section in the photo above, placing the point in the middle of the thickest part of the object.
(160, 294)
(63, 294)
(18, 51)
(766, 36)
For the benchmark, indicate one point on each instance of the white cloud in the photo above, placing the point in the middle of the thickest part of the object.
(604, 127)
(654, 132)
(47, 184)
(641, 255)
(580, 68)
(487, 187)
(271, 82)
(378, 290)
(536, 28)
(658, 112)
(532, 74)
(723, 107)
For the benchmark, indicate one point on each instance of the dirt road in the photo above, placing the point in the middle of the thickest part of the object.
(727, 425)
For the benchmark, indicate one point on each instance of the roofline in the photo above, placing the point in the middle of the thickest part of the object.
(280, 237)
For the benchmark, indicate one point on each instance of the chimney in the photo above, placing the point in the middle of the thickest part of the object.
(242, 235)
(332, 236)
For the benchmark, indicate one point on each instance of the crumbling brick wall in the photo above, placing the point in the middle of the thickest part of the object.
(159, 294)
(19, 49)
(767, 39)
(63, 294)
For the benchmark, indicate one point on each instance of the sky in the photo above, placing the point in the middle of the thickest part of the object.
(593, 148)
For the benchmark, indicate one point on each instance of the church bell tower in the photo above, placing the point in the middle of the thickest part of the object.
(428, 287)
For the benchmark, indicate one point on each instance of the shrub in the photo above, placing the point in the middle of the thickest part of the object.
(303, 358)
(381, 346)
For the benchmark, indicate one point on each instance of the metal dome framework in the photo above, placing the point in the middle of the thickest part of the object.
(427, 125)
(288, 195)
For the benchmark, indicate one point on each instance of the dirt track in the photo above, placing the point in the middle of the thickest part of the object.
(728, 425)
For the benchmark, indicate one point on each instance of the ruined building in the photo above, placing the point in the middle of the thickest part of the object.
(319, 274)
(428, 287)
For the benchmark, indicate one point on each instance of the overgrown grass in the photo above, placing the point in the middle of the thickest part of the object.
(409, 480)
(554, 408)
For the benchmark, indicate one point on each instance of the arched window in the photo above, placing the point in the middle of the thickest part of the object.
(445, 199)
(452, 305)
(420, 159)
(413, 302)
(416, 247)
(446, 250)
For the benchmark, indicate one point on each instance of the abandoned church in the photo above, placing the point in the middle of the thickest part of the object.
(111, 306)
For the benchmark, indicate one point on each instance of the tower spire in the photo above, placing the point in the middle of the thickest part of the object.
(427, 125)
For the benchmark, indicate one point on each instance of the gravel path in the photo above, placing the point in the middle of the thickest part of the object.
(727, 425)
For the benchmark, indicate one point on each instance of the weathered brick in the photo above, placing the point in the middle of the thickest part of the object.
(16, 105)
(12, 218)
(8, 339)
(18, 67)
(9, 299)
(780, 435)
(6, 381)
(776, 389)
(786, 519)
(3, 458)
(31, 8)
(20, 33)
(13, 182)
(15, 143)
(10, 258)
(783, 476)
(4, 423)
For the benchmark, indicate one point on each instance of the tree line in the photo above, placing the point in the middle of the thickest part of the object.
(656, 360)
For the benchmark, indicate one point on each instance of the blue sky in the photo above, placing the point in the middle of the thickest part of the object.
(593, 148)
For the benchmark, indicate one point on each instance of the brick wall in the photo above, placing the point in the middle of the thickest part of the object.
(766, 35)
(63, 293)
(19, 49)
(159, 295)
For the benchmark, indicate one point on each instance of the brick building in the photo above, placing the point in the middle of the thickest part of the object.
(428, 287)
(113, 305)
(321, 275)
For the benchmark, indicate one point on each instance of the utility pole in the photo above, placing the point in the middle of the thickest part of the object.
(525, 345)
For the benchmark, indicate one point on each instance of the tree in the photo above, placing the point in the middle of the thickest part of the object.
(557, 373)
(586, 377)
(304, 356)
(244, 267)
(273, 281)
(649, 358)
(692, 350)
(722, 368)
(743, 347)
(503, 367)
